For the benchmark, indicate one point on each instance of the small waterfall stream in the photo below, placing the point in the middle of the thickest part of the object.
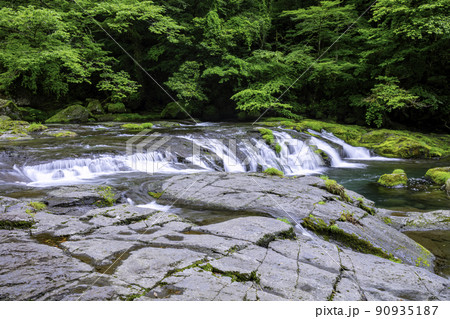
(231, 154)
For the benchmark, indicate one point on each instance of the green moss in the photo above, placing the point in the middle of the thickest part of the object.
(72, 114)
(234, 275)
(60, 133)
(268, 238)
(324, 177)
(387, 220)
(321, 202)
(278, 148)
(35, 127)
(285, 220)
(22, 224)
(438, 175)
(424, 259)
(368, 209)
(14, 127)
(155, 195)
(135, 126)
(274, 172)
(108, 196)
(350, 240)
(397, 178)
(348, 217)
(38, 206)
(333, 187)
(389, 143)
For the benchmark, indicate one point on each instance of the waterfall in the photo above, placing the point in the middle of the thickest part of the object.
(336, 160)
(351, 152)
(233, 155)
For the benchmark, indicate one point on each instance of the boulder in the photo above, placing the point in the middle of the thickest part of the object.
(398, 178)
(94, 106)
(8, 108)
(72, 114)
(438, 175)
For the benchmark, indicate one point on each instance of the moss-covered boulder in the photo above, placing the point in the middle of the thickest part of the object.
(439, 175)
(94, 106)
(273, 172)
(136, 126)
(72, 114)
(9, 108)
(118, 107)
(398, 178)
(60, 133)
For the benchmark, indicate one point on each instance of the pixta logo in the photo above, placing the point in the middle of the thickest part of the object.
(148, 152)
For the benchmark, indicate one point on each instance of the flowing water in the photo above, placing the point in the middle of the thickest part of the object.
(104, 154)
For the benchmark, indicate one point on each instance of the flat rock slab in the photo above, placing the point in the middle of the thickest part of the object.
(130, 253)
(296, 199)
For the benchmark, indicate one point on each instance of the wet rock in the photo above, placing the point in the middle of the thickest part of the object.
(30, 270)
(72, 114)
(94, 106)
(9, 109)
(148, 266)
(304, 200)
(79, 195)
(258, 230)
(98, 252)
(415, 221)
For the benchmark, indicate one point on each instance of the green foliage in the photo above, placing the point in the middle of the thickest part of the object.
(273, 171)
(233, 59)
(108, 196)
(385, 98)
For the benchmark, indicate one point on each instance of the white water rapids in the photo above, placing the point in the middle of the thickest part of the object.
(296, 157)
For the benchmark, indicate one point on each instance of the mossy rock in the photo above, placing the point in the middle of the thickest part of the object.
(118, 107)
(172, 111)
(94, 106)
(273, 172)
(14, 127)
(137, 127)
(72, 114)
(58, 133)
(398, 178)
(9, 108)
(334, 188)
(439, 175)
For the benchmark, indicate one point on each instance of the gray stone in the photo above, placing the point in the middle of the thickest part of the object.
(98, 252)
(78, 195)
(254, 229)
(30, 270)
(147, 266)
(295, 199)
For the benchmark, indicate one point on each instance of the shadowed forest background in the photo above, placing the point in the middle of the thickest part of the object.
(233, 59)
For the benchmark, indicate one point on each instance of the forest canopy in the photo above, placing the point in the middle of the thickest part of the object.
(235, 59)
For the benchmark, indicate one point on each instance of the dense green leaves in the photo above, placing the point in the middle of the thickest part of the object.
(237, 57)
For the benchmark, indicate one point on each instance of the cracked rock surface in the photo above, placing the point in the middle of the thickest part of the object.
(133, 253)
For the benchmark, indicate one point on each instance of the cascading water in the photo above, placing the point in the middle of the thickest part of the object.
(296, 157)
(351, 152)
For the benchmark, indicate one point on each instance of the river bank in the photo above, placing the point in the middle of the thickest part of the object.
(72, 250)
(222, 222)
